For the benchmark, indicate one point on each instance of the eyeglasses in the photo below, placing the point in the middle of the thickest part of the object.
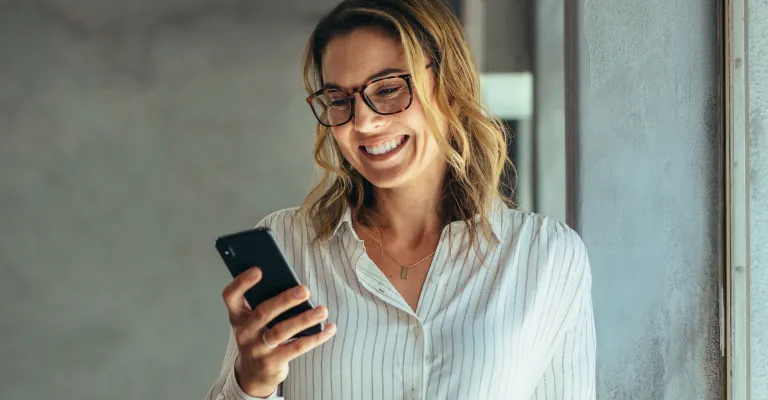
(385, 96)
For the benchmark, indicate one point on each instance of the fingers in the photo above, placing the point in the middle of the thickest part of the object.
(271, 308)
(298, 347)
(233, 295)
(288, 328)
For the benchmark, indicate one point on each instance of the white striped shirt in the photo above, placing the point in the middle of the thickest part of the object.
(519, 326)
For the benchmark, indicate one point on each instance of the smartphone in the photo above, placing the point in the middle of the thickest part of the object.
(258, 247)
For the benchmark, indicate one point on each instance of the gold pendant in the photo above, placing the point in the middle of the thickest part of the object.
(404, 272)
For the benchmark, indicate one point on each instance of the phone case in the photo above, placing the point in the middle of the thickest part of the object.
(258, 247)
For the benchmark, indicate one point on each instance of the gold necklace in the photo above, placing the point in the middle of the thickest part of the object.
(405, 268)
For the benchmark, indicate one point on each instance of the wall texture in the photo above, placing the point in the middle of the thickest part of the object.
(133, 133)
(758, 185)
(650, 186)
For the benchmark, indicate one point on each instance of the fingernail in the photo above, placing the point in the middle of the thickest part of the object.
(300, 292)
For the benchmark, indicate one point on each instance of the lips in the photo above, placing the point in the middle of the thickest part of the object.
(380, 151)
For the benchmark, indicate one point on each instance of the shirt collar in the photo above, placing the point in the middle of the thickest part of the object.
(346, 219)
(495, 219)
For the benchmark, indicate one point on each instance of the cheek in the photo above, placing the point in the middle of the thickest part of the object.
(418, 119)
(342, 137)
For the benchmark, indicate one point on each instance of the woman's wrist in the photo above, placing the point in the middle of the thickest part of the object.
(251, 390)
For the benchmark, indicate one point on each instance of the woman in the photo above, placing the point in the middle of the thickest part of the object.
(434, 287)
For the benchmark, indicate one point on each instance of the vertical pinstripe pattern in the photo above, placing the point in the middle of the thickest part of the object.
(513, 320)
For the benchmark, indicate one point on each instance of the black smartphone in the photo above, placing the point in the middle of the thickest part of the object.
(258, 247)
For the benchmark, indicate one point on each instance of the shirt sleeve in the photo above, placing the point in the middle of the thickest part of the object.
(570, 370)
(226, 386)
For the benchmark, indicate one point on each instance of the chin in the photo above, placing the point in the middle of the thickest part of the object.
(385, 180)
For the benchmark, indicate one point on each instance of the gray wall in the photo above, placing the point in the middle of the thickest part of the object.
(133, 133)
(758, 185)
(650, 185)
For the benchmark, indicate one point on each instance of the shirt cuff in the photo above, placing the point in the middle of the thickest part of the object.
(232, 390)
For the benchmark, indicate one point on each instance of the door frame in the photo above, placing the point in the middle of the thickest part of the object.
(736, 127)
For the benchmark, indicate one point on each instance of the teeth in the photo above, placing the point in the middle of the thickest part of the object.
(383, 148)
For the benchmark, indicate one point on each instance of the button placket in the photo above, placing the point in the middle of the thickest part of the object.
(419, 375)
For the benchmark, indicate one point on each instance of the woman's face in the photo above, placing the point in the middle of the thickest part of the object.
(390, 151)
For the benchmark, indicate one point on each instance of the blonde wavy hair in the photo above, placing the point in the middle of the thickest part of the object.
(475, 149)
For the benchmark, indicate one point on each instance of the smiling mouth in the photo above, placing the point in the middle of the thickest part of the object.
(385, 147)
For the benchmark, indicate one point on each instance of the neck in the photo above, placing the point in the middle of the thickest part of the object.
(412, 214)
(409, 215)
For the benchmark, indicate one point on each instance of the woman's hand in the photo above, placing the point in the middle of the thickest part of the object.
(260, 368)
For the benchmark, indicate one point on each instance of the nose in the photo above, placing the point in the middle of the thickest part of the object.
(365, 119)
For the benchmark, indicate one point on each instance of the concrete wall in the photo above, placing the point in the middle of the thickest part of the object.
(650, 184)
(758, 185)
(133, 133)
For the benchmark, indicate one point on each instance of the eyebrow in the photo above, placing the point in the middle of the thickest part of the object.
(380, 74)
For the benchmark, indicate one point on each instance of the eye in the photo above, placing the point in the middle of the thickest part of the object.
(339, 102)
(387, 91)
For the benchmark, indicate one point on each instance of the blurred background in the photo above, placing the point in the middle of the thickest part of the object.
(134, 133)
